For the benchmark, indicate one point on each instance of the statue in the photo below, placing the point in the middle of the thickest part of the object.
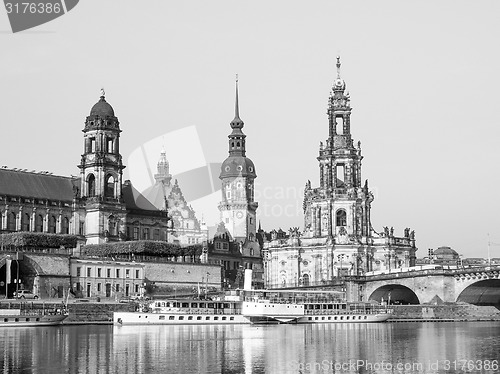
(386, 231)
(392, 231)
(412, 235)
(102, 92)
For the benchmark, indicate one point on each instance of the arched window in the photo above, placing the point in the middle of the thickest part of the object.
(52, 224)
(110, 186)
(39, 223)
(25, 222)
(65, 226)
(91, 185)
(341, 217)
(11, 221)
(305, 280)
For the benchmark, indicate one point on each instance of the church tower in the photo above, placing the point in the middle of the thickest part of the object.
(101, 171)
(238, 208)
(340, 207)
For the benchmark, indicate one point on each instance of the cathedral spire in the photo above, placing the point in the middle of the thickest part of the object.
(237, 122)
(338, 67)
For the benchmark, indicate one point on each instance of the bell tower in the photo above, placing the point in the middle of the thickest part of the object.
(101, 173)
(340, 207)
(238, 208)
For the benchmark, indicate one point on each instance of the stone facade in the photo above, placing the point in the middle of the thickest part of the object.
(338, 238)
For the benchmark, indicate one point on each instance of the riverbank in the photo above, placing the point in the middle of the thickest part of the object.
(93, 312)
(444, 313)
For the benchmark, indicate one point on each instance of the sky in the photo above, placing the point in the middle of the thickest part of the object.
(423, 79)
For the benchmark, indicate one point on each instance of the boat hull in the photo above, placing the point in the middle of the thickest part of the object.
(141, 318)
(345, 318)
(31, 320)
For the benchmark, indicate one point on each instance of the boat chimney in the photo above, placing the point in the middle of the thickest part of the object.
(247, 285)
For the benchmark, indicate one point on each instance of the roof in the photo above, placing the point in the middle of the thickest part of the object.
(445, 251)
(102, 109)
(135, 200)
(36, 185)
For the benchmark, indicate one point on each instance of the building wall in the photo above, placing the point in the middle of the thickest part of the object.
(165, 277)
(98, 278)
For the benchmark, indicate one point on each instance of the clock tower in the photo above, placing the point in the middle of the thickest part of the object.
(237, 207)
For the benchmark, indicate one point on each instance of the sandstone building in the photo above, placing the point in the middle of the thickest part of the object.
(338, 238)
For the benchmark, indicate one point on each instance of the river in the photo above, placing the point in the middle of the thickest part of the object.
(465, 347)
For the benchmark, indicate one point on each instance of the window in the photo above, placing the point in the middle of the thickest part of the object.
(117, 287)
(136, 288)
(109, 145)
(305, 280)
(39, 223)
(341, 217)
(127, 273)
(11, 221)
(118, 273)
(137, 274)
(52, 224)
(78, 271)
(99, 287)
(339, 122)
(109, 273)
(156, 234)
(92, 145)
(91, 185)
(340, 173)
(145, 234)
(65, 226)
(110, 186)
(89, 272)
(25, 222)
(81, 229)
(136, 233)
(99, 272)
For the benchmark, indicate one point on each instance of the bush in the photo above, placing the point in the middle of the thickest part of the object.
(38, 240)
(144, 247)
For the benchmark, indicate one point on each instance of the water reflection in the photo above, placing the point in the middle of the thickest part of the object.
(247, 349)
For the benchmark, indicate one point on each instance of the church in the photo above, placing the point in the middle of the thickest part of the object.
(97, 206)
(338, 238)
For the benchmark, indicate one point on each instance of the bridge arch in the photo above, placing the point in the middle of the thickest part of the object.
(483, 292)
(394, 294)
(25, 268)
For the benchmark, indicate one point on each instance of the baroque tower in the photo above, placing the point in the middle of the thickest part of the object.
(101, 171)
(340, 207)
(238, 208)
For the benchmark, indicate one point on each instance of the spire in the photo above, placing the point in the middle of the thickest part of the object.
(236, 104)
(102, 93)
(338, 67)
(237, 122)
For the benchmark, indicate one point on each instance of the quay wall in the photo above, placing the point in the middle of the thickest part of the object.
(447, 312)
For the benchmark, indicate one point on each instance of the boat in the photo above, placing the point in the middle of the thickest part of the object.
(255, 306)
(32, 317)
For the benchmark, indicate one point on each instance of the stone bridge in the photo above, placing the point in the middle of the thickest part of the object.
(475, 285)
(47, 274)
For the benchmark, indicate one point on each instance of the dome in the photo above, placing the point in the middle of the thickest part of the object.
(102, 109)
(446, 252)
(235, 166)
